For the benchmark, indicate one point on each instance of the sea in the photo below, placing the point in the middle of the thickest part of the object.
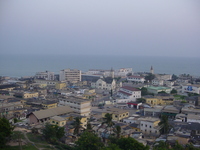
(16, 65)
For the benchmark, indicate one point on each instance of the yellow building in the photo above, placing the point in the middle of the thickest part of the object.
(60, 85)
(30, 94)
(71, 116)
(159, 101)
(117, 114)
(49, 105)
(57, 120)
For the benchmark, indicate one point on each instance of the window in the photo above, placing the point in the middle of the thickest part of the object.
(149, 126)
(145, 125)
(53, 121)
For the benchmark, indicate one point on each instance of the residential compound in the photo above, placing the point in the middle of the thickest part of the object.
(70, 75)
(126, 92)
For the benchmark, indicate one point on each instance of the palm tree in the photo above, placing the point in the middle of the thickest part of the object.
(164, 125)
(108, 121)
(77, 125)
(117, 131)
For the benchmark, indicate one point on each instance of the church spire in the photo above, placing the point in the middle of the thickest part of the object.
(151, 70)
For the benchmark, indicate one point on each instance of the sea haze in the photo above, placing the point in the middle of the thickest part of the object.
(28, 65)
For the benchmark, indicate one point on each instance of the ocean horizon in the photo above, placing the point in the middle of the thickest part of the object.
(15, 65)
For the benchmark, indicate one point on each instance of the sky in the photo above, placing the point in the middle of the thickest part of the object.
(101, 27)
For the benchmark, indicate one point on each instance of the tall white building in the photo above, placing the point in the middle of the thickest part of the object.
(47, 75)
(71, 75)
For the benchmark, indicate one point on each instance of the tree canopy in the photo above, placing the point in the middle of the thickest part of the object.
(53, 133)
(5, 131)
(164, 125)
(89, 141)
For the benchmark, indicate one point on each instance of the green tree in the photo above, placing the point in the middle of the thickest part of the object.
(141, 100)
(173, 91)
(130, 143)
(77, 125)
(162, 92)
(111, 146)
(174, 77)
(89, 141)
(5, 131)
(161, 145)
(149, 77)
(108, 121)
(17, 135)
(164, 125)
(15, 120)
(144, 91)
(117, 130)
(53, 133)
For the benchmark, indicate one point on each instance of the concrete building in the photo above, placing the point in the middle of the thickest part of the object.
(78, 105)
(136, 79)
(57, 120)
(155, 90)
(122, 72)
(149, 126)
(70, 75)
(47, 75)
(127, 92)
(191, 88)
(157, 82)
(104, 84)
(117, 114)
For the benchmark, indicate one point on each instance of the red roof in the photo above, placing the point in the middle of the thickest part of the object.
(130, 88)
(125, 93)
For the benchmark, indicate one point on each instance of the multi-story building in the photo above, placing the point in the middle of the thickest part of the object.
(47, 75)
(70, 75)
(136, 79)
(149, 126)
(78, 105)
(127, 92)
(160, 100)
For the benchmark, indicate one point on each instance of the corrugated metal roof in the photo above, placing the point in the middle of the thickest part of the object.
(52, 112)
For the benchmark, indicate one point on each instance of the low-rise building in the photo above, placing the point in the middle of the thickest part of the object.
(127, 92)
(117, 114)
(157, 89)
(47, 75)
(42, 116)
(136, 79)
(57, 120)
(60, 85)
(191, 88)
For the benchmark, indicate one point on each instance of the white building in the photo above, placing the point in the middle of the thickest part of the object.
(149, 126)
(136, 79)
(104, 84)
(191, 89)
(122, 72)
(127, 92)
(157, 82)
(47, 75)
(78, 105)
(71, 75)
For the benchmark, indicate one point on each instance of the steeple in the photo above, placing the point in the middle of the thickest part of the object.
(112, 73)
(151, 70)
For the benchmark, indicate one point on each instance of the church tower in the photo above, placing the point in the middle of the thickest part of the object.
(151, 70)
(112, 74)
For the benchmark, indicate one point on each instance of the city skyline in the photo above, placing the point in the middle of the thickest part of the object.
(138, 28)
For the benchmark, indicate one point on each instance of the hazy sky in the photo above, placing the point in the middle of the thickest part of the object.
(119, 27)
